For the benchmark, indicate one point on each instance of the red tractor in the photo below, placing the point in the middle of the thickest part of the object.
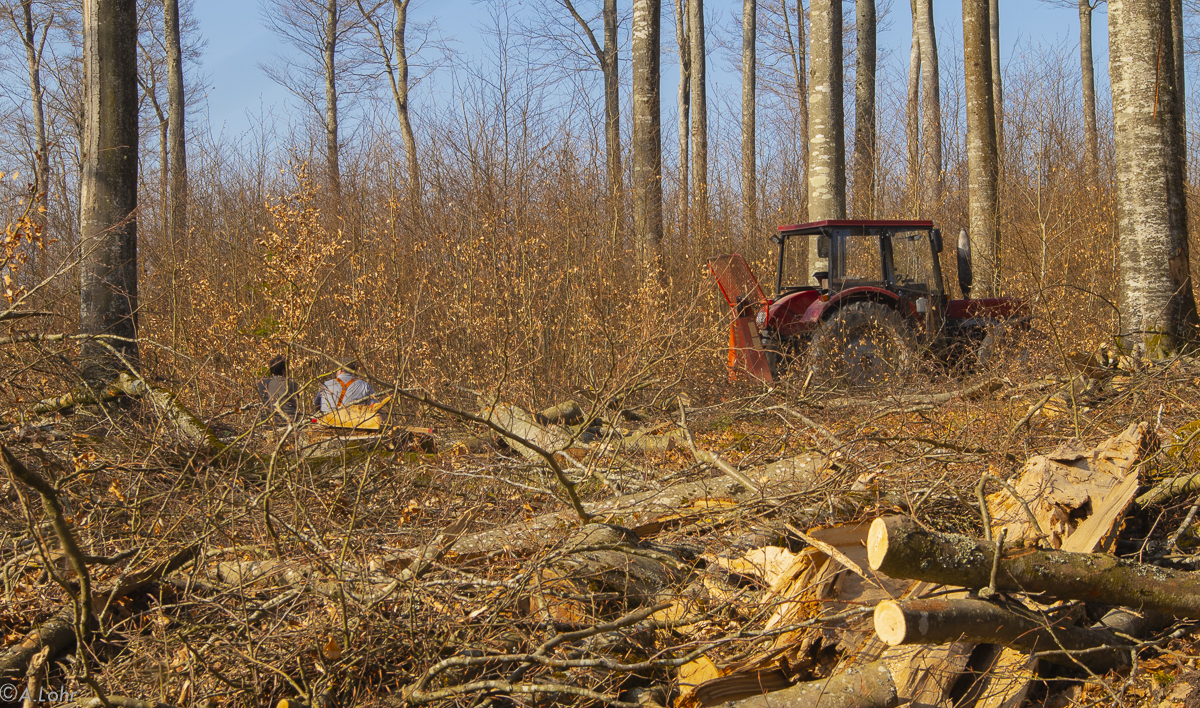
(879, 305)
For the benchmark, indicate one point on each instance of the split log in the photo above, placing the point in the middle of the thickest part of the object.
(867, 686)
(901, 548)
(1072, 477)
(941, 621)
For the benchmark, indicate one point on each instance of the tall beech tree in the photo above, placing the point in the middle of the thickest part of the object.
(826, 121)
(931, 109)
(647, 132)
(394, 54)
(1157, 307)
(699, 111)
(864, 111)
(798, 53)
(27, 26)
(684, 98)
(912, 117)
(108, 273)
(176, 128)
(749, 101)
(982, 157)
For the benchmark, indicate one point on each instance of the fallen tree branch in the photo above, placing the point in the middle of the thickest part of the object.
(984, 387)
(711, 458)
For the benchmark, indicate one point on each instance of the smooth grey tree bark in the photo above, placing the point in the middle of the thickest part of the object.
(799, 56)
(176, 128)
(826, 121)
(108, 277)
(329, 54)
(684, 98)
(699, 113)
(864, 112)
(912, 117)
(34, 49)
(1158, 311)
(1091, 138)
(749, 101)
(982, 157)
(931, 111)
(647, 134)
(997, 79)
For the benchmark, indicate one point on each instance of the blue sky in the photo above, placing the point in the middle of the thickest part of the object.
(238, 43)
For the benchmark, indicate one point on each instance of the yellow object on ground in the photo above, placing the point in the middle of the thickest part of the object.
(363, 416)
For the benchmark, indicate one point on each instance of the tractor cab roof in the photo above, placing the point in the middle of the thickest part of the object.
(818, 227)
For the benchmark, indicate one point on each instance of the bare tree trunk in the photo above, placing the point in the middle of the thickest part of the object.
(826, 140)
(864, 112)
(612, 108)
(931, 111)
(400, 49)
(33, 58)
(912, 117)
(331, 100)
(177, 138)
(749, 70)
(1156, 302)
(997, 79)
(683, 41)
(1091, 140)
(108, 198)
(982, 158)
(647, 134)
(800, 70)
(699, 117)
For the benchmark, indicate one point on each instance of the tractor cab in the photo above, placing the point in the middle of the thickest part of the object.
(890, 262)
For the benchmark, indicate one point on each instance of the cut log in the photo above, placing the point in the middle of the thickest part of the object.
(518, 422)
(565, 413)
(941, 621)
(901, 548)
(867, 686)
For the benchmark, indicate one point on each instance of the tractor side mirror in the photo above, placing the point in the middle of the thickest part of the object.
(935, 239)
(822, 246)
(965, 278)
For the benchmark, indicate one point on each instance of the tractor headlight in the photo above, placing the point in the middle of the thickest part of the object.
(761, 319)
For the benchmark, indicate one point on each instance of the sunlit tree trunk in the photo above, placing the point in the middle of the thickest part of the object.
(331, 98)
(826, 121)
(912, 117)
(647, 136)
(997, 79)
(612, 106)
(1156, 302)
(108, 191)
(931, 111)
(400, 50)
(749, 99)
(982, 158)
(864, 112)
(177, 136)
(683, 41)
(699, 117)
(1091, 139)
(798, 53)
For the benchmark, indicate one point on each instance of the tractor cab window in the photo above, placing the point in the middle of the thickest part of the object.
(912, 259)
(854, 258)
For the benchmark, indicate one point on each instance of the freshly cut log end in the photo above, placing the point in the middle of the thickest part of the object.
(877, 543)
(890, 623)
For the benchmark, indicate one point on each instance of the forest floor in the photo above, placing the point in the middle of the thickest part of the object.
(451, 569)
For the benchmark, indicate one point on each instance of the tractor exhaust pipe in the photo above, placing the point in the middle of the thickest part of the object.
(965, 278)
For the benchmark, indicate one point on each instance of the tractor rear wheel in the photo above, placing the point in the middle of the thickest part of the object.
(864, 344)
